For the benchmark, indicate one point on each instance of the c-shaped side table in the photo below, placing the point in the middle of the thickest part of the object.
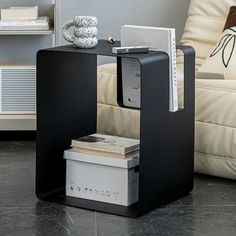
(67, 109)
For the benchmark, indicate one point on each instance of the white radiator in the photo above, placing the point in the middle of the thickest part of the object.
(17, 89)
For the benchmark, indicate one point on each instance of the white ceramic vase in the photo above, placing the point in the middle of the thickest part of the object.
(84, 33)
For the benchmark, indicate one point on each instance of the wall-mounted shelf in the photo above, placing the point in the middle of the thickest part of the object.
(30, 42)
(166, 139)
(27, 32)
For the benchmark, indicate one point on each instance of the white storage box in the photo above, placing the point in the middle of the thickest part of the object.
(103, 179)
(19, 13)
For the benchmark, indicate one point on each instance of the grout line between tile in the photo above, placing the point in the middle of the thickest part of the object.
(95, 222)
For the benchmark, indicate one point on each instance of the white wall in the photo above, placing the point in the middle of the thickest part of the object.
(110, 13)
(113, 13)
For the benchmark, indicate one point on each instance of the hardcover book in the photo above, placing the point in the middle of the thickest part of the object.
(42, 23)
(100, 143)
(158, 39)
(102, 160)
(104, 153)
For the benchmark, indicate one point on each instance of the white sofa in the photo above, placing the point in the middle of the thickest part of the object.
(215, 133)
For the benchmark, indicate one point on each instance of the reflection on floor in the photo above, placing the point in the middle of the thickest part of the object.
(209, 210)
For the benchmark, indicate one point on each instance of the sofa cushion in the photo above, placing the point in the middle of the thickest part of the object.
(222, 58)
(215, 138)
(106, 87)
(231, 18)
(206, 19)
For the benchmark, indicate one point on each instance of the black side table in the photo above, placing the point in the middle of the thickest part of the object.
(67, 109)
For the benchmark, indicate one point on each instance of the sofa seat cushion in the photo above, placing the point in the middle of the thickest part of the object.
(219, 166)
(215, 136)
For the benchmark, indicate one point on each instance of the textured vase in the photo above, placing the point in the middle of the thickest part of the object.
(84, 33)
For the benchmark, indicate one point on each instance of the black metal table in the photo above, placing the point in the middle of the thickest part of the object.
(67, 109)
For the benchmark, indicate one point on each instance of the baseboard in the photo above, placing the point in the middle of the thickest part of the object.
(17, 135)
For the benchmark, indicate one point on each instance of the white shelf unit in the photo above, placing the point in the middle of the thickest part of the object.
(24, 120)
(27, 32)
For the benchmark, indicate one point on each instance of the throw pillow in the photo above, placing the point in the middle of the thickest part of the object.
(223, 57)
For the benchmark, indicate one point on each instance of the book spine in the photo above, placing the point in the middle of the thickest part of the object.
(101, 147)
(41, 24)
(173, 73)
(18, 28)
(40, 21)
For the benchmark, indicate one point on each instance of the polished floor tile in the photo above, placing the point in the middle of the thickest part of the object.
(209, 210)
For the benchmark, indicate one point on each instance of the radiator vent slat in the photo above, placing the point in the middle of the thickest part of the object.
(18, 90)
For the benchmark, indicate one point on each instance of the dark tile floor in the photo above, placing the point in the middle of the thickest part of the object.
(209, 210)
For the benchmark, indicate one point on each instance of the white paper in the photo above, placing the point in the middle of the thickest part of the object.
(158, 39)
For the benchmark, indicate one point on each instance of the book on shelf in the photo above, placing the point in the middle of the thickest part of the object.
(42, 23)
(104, 154)
(20, 13)
(158, 39)
(77, 154)
(99, 144)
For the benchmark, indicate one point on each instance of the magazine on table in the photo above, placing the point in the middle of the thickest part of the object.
(158, 39)
(110, 145)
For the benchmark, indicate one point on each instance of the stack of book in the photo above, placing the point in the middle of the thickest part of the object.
(23, 18)
(101, 145)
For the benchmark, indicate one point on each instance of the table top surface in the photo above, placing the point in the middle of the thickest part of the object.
(104, 49)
